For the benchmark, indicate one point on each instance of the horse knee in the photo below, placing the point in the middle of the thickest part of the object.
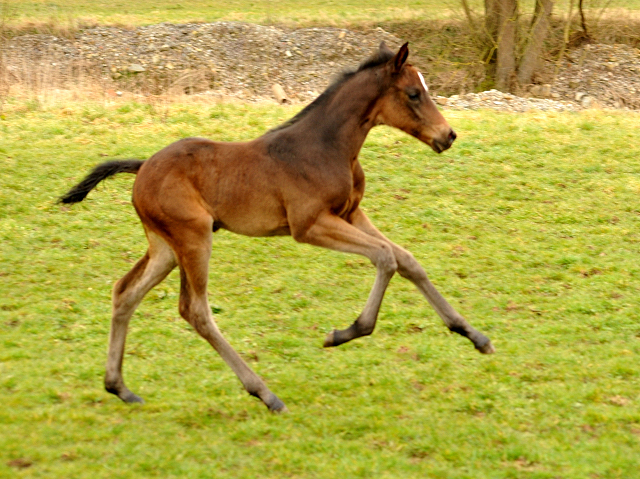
(189, 313)
(408, 266)
(184, 308)
(195, 314)
(122, 302)
(386, 260)
(120, 295)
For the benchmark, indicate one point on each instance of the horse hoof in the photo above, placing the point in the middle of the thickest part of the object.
(486, 348)
(328, 341)
(276, 406)
(132, 398)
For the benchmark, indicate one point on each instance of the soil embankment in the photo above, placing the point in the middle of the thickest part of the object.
(244, 61)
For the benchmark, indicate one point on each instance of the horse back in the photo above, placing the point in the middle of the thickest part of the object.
(235, 184)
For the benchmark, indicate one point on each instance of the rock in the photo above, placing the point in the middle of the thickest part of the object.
(579, 95)
(279, 94)
(136, 68)
(587, 101)
(441, 100)
(541, 91)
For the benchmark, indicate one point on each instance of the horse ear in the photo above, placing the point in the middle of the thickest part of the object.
(400, 58)
(384, 48)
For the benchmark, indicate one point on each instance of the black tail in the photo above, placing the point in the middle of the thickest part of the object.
(99, 173)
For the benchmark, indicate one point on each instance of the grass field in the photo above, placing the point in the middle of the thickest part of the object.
(293, 12)
(530, 225)
(344, 12)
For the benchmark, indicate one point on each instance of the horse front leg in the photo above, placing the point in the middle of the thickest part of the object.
(332, 232)
(410, 269)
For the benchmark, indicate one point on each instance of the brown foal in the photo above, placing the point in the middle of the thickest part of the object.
(301, 179)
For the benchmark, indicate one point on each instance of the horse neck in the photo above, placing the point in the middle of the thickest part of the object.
(345, 119)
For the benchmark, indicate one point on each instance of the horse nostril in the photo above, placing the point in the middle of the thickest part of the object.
(452, 136)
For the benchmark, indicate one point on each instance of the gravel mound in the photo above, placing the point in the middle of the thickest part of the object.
(601, 75)
(245, 61)
(592, 76)
(230, 58)
(497, 100)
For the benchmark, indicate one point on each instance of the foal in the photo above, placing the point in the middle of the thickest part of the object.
(301, 179)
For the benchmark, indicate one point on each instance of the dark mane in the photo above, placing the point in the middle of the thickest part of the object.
(379, 58)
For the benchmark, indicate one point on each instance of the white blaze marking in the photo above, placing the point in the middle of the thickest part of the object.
(426, 88)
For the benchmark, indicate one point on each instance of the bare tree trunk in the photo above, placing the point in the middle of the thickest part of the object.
(533, 50)
(503, 62)
(506, 43)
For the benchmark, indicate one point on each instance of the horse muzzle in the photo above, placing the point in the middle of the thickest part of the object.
(444, 143)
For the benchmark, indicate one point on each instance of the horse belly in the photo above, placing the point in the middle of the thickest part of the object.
(250, 213)
(253, 222)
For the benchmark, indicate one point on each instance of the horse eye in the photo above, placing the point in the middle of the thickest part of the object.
(414, 96)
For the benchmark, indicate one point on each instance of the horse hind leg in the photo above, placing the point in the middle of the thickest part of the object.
(194, 308)
(128, 292)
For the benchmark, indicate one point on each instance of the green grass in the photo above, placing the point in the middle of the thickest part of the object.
(530, 225)
(293, 12)
(344, 12)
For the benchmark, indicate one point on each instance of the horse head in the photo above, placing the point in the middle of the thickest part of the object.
(407, 105)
